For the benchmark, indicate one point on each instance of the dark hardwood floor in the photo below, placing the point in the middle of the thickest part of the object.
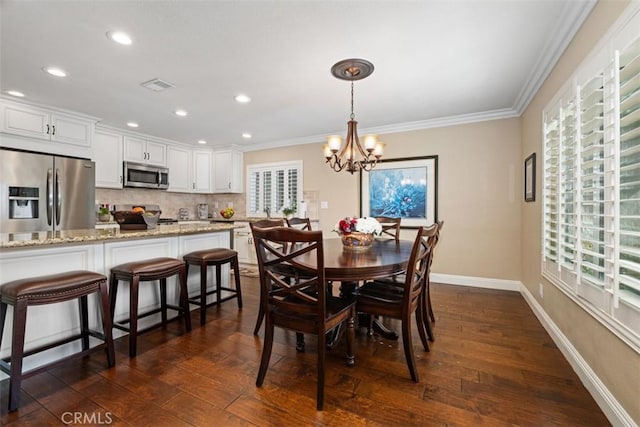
(492, 364)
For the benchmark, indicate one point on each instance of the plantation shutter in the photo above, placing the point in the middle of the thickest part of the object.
(274, 187)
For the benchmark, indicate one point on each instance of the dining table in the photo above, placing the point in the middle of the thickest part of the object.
(385, 258)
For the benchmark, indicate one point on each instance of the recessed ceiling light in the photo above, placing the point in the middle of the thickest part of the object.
(246, 135)
(132, 124)
(15, 93)
(119, 37)
(54, 71)
(243, 99)
(180, 113)
(202, 141)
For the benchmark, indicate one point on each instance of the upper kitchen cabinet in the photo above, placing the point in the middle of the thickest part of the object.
(107, 154)
(179, 164)
(227, 171)
(145, 151)
(202, 171)
(47, 124)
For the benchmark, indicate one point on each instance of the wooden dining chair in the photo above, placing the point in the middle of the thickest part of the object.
(427, 308)
(390, 226)
(263, 223)
(299, 223)
(401, 302)
(300, 304)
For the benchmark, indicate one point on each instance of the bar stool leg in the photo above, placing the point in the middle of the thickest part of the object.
(218, 267)
(163, 301)
(17, 352)
(203, 292)
(107, 324)
(84, 322)
(236, 270)
(113, 290)
(184, 299)
(133, 316)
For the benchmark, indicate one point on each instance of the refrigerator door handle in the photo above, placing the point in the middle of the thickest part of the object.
(49, 195)
(58, 194)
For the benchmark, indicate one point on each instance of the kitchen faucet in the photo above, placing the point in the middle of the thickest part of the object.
(267, 210)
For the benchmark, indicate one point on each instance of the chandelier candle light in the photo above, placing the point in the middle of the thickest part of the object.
(341, 156)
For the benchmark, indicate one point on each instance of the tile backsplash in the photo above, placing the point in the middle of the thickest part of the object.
(170, 203)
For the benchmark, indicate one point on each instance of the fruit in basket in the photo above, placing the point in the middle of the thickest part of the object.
(227, 213)
(138, 209)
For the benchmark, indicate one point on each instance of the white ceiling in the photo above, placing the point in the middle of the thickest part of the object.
(436, 62)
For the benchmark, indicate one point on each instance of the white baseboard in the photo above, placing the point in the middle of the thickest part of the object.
(476, 282)
(612, 409)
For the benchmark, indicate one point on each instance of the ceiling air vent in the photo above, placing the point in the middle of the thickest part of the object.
(157, 85)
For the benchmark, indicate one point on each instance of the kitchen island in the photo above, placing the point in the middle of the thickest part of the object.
(35, 254)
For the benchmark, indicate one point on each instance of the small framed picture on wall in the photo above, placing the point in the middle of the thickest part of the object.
(530, 178)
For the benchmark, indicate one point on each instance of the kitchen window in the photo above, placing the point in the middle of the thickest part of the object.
(591, 191)
(273, 187)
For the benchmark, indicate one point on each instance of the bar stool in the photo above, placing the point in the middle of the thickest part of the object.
(44, 290)
(144, 271)
(216, 257)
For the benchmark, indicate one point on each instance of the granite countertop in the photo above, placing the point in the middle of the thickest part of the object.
(46, 238)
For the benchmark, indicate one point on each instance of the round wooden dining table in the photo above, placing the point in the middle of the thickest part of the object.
(385, 258)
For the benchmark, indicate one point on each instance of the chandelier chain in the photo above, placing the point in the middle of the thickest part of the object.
(352, 115)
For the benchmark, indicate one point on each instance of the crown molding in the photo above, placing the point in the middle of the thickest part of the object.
(572, 17)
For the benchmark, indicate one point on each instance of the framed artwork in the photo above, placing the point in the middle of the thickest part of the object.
(402, 188)
(530, 178)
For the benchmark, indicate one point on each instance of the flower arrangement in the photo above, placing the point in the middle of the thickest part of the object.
(363, 225)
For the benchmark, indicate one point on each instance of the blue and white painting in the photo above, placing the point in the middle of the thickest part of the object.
(402, 188)
(398, 192)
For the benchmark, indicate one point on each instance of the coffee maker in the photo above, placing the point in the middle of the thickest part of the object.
(203, 211)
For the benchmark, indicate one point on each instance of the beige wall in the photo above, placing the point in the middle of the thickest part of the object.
(619, 369)
(480, 190)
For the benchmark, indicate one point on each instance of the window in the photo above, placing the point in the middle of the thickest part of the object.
(273, 187)
(591, 191)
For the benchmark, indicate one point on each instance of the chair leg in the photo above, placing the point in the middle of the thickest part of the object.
(3, 317)
(408, 348)
(422, 324)
(266, 353)
(17, 353)
(322, 350)
(430, 307)
(113, 290)
(218, 283)
(260, 317)
(299, 342)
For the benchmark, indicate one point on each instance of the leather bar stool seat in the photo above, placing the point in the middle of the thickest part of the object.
(144, 271)
(214, 257)
(50, 289)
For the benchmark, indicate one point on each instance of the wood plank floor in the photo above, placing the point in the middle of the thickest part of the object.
(492, 364)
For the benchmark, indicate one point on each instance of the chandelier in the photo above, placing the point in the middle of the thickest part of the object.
(352, 156)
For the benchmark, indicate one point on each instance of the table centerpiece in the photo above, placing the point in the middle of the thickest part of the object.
(357, 233)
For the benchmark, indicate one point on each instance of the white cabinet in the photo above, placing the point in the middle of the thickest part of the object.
(107, 153)
(202, 171)
(141, 150)
(243, 244)
(227, 171)
(179, 164)
(41, 123)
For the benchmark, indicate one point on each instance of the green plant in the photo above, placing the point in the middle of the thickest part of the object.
(104, 211)
(288, 211)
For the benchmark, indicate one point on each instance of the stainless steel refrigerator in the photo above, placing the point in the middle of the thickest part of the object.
(41, 192)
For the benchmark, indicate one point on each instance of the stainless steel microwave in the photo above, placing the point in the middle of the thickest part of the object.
(145, 176)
